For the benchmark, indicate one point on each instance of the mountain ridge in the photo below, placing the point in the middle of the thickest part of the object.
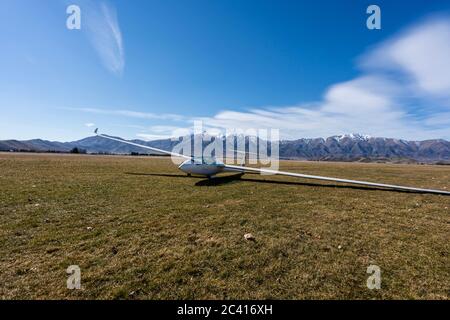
(347, 147)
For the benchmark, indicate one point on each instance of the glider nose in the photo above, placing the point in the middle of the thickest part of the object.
(183, 166)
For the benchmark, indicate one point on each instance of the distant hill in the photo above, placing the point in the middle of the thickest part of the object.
(35, 145)
(349, 147)
(363, 148)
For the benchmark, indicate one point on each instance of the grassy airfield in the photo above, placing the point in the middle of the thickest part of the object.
(140, 229)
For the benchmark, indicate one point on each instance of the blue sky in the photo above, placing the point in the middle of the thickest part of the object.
(149, 69)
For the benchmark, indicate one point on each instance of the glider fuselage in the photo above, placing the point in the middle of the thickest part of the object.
(199, 167)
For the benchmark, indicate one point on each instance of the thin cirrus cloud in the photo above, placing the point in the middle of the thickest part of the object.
(103, 30)
(164, 132)
(130, 114)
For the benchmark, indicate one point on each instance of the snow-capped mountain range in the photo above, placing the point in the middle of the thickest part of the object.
(347, 147)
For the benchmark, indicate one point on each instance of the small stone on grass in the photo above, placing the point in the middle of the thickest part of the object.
(249, 237)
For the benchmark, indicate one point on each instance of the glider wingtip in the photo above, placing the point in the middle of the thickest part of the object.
(96, 131)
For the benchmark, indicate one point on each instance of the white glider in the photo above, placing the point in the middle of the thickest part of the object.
(211, 167)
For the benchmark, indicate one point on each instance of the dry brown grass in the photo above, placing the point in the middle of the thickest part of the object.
(157, 234)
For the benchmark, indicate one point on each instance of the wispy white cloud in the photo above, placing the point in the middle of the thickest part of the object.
(103, 30)
(130, 114)
(151, 137)
(438, 119)
(164, 132)
(89, 124)
(403, 91)
(421, 53)
(408, 70)
(164, 129)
